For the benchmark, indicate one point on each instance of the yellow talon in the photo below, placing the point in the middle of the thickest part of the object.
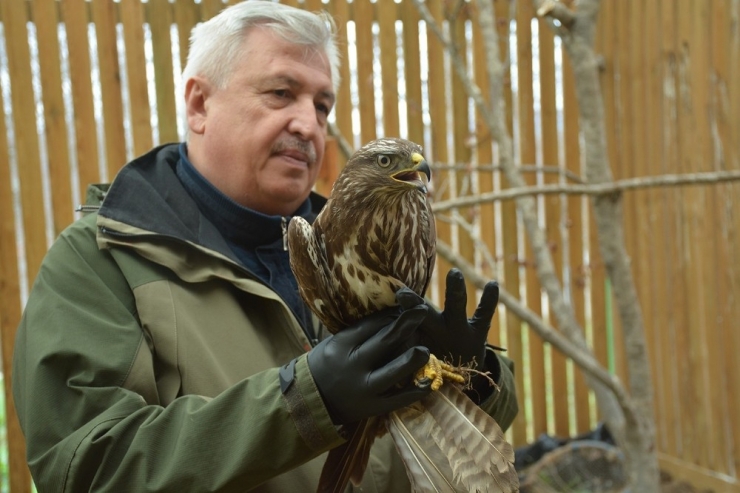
(436, 371)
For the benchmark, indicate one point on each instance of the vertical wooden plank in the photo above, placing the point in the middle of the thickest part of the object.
(462, 152)
(528, 155)
(313, 5)
(718, 256)
(210, 8)
(26, 133)
(47, 23)
(160, 20)
(722, 47)
(86, 138)
(187, 15)
(104, 16)
(702, 258)
(727, 66)
(504, 15)
(329, 167)
(655, 311)
(363, 17)
(387, 15)
(574, 227)
(730, 336)
(132, 18)
(19, 478)
(27, 152)
(694, 450)
(343, 107)
(549, 135)
(699, 227)
(510, 265)
(674, 292)
(734, 87)
(438, 114)
(412, 71)
(483, 159)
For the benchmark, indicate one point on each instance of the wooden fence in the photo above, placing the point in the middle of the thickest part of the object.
(87, 85)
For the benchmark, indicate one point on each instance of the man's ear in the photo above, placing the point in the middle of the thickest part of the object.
(197, 92)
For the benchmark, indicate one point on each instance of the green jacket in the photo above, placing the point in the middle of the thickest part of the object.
(147, 359)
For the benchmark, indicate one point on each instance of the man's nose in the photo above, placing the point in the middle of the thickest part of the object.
(304, 120)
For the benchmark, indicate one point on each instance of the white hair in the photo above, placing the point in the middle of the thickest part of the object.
(216, 44)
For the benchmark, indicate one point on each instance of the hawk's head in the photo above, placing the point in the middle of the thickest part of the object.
(388, 164)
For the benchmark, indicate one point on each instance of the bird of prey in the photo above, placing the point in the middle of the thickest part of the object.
(375, 235)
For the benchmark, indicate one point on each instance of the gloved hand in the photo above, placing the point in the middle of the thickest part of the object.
(366, 370)
(450, 334)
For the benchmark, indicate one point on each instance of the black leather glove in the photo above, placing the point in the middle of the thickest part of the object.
(366, 370)
(449, 334)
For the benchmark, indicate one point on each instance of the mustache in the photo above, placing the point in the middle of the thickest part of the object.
(296, 144)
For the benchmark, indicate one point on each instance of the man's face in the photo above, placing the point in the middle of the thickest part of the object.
(260, 139)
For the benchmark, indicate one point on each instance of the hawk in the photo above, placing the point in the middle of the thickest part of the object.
(376, 235)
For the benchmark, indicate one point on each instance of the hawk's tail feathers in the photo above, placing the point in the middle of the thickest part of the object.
(481, 458)
(426, 465)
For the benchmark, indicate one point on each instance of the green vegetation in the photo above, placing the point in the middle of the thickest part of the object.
(3, 442)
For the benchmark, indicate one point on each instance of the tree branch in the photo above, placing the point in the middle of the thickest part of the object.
(523, 168)
(583, 359)
(557, 11)
(596, 189)
(344, 145)
(480, 245)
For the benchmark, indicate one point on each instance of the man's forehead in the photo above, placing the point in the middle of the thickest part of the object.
(275, 57)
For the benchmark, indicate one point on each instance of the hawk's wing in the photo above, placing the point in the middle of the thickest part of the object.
(431, 253)
(315, 281)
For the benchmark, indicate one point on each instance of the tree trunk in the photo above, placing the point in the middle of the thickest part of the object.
(639, 438)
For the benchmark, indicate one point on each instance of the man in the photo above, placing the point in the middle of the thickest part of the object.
(163, 346)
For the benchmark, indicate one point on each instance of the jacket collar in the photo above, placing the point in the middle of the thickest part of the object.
(240, 225)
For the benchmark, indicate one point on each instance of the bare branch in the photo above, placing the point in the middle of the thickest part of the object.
(480, 245)
(523, 168)
(344, 145)
(607, 188)
(557, 11)
(583, 359)
(454, 12)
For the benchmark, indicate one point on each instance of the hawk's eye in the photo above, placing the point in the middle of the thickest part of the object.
(384, 160)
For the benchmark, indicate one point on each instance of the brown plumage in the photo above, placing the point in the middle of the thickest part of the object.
(375, 235)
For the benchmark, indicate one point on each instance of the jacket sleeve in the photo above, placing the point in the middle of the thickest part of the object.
(502, 404)
(75, 345)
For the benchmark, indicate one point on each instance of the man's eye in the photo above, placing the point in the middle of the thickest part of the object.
(281, 93)
(323, 108)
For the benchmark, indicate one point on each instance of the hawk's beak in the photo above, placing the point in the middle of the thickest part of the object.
(419, 175)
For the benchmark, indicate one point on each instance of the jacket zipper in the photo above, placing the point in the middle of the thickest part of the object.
(284, 225)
